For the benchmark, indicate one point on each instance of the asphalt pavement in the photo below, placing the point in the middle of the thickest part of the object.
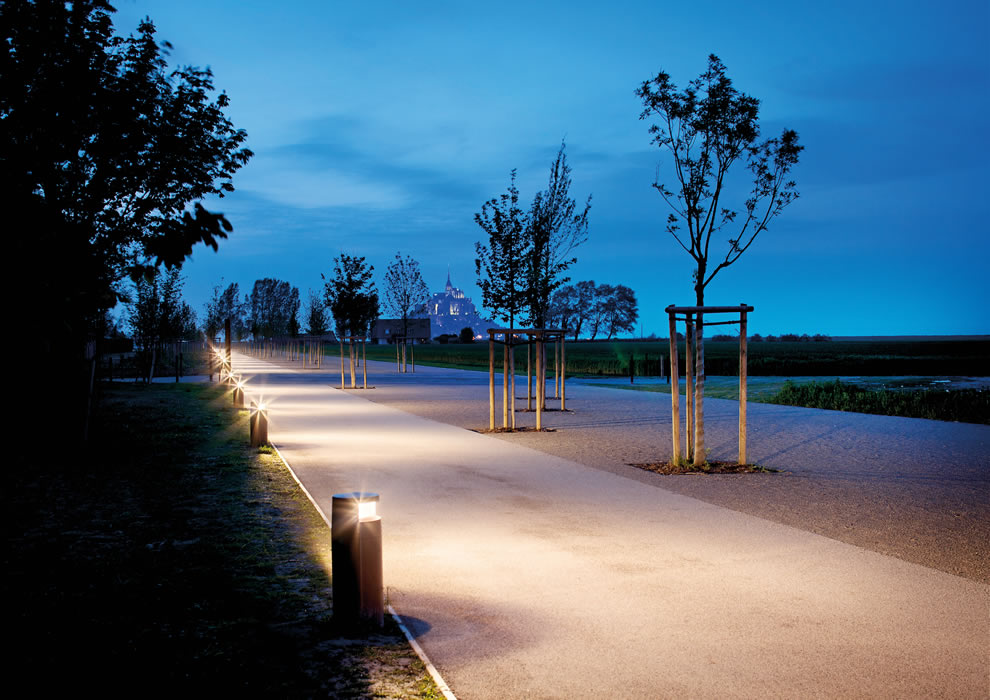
(524, 574)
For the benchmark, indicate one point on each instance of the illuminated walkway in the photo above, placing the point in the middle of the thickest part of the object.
(527, 575)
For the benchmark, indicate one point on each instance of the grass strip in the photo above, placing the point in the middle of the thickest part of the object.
(169, 556)
(963, 405)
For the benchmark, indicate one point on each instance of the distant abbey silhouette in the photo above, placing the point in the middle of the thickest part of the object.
(450, 311)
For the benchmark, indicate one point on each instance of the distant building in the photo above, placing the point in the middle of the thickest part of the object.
(385, 330)
(450, 311)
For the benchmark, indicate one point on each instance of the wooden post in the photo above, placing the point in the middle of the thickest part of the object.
(539, 382)
(699, 393)
(404, 368)
(364, 362)
(412, 354)
(556, 367)
(675, 397)
(529, 373)
(342, 363)
(689, 384)
(742, 387)
(505, 381)
(491, 381)
(512, 383)
(398, 364)
(563, 373)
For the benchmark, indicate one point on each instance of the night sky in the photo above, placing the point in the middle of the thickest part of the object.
(383, 127)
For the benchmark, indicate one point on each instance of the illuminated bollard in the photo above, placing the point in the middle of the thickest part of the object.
(238, 394)
(259, 424)
(356, 557)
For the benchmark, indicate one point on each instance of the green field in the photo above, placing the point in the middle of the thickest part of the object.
(781, 359)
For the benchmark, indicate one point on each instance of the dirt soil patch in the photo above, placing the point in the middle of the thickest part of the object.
(671, 468)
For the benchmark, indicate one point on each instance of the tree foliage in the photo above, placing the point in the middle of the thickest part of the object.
(604, 308)
(105, 149)
(316, 314)
(555, 229)
(406, 293)
(158, 314)
(500, 265)
(528, 252)
(273, 308)
(351, 295)
(223, 305)
(706, 129)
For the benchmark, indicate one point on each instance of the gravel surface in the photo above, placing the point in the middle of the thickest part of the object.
(911, 488)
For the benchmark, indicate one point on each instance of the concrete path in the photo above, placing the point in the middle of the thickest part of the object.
(528, 575)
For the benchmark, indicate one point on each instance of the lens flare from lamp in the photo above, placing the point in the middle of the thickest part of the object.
(367, 509)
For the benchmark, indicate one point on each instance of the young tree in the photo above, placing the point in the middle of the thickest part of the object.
(158, 315)
(554, 231)
(351, 295)
(405, 291)
(500, 265)
(274, 308)
(706, 129)
(316, 315)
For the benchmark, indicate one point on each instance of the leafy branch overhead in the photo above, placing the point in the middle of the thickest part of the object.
(706, 129)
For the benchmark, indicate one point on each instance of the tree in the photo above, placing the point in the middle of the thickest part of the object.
(224, 305)
(158, 314)
(706, 129)
(351, 295)
(274, 308)
(599, 307)
(106, 156)
(621, 310)
(405, 291)
(554, 231)
(466, 335)
(500, 265)
(316, 315)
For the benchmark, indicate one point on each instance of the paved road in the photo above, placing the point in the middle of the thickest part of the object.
(527, 575)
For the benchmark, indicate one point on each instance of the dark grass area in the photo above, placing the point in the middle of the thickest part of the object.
(169, 557)
(834, 358)
(963, 405)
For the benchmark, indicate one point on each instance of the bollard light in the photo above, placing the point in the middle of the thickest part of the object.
(356, 553)
(238, 393)
(259, 423)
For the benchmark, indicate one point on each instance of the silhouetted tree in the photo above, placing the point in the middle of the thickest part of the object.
(316, 315)
(224, 305)
(501, 265)
(158, 315)
(351, 295)
(405, 291)
(274, 308)
(466, 335)
(706, 129)
(106, 156)
(621, 310)
(554, 231)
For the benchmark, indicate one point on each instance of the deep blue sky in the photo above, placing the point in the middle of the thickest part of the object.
(383, 127)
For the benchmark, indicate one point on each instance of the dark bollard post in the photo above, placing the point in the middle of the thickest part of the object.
(356, 558)
(259, 424)
(238, 394)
